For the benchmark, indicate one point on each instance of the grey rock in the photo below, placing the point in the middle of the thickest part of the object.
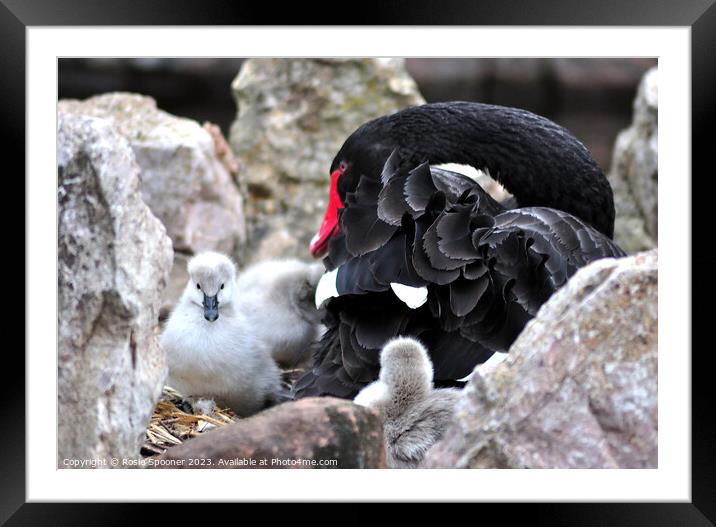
(293, 116)
(290, 435)
(187, 177)
(634, 172)
(114, 258)
(579, 388)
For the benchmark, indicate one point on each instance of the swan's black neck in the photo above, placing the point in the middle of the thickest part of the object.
(538, 161)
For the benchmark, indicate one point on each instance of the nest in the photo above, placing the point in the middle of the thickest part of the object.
(171, 423)
(174, 420)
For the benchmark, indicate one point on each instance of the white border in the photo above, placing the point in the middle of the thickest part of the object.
(671, 481)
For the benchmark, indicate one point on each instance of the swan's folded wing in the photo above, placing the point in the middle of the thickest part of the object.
(559, 234)
(540, 249)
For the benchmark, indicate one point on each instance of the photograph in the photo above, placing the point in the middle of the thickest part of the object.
(429, 251)
(357, 262)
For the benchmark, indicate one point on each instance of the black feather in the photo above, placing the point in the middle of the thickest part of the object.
(453, 356)
(465, 294)
(364, 231)
(438, 259)
(391, 201)
(391, 166)
(454, 236)
(419, 187)
(421, 262)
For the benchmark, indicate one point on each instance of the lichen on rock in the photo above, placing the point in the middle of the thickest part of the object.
(293, 116)
(634, 173)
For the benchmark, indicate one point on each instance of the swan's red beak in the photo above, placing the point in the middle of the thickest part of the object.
(329, 225)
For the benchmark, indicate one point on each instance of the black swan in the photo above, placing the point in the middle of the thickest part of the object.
(419, 251)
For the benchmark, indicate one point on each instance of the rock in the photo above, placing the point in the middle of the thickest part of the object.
(579, 388)
(188, 173)
(222, 149)
(634, 172)
(178, 277)
(293, 116)
(114, 258)
(291, 435)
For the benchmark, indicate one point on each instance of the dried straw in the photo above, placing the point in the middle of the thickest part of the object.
(171, 425)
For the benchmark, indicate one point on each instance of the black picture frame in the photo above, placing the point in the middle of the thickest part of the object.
(699, 15)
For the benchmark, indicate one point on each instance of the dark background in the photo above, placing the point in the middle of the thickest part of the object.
(591, 97)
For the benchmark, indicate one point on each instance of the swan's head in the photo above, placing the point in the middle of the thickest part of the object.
(212, 278)
(363, 154)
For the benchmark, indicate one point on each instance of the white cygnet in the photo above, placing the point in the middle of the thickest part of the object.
(277, 297)
(414, 414)
(213, 350)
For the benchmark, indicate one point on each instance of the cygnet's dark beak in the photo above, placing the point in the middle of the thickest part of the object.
(211, 308)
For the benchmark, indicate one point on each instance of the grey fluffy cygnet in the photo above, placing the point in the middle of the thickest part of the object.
(277, 297)
(213, 350)
(414, 414)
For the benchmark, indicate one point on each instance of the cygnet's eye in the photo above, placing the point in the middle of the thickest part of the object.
(222, 286)
(198, 286)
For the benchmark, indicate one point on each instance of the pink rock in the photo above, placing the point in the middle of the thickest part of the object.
(579, 388)
(310, 433)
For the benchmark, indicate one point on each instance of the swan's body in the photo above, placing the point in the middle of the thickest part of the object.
(277, 299)
(470, 272)
(414, 414)
(223, 359)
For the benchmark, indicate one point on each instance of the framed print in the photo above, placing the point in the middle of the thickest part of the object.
(262, 250)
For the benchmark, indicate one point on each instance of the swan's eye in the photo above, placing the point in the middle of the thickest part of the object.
(342, 167)
(222, 286)
(198, 286)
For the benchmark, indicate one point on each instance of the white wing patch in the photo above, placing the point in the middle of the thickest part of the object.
(326, 288)
(465, 170)
(413, 297)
